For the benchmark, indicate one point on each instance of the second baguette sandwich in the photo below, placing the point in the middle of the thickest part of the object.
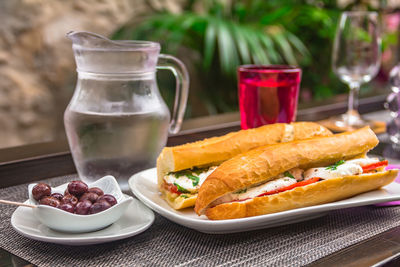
(293, 175)
(182, 169)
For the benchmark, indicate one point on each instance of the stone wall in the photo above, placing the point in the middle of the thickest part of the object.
(37, 69)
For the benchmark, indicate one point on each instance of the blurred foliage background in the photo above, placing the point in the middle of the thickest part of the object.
(213, 37)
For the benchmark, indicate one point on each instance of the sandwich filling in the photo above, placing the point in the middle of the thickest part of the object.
(298, 177)
(187, 182)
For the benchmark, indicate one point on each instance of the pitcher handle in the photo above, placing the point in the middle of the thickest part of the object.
(182, 89)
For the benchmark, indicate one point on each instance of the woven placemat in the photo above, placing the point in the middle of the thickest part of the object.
(166, 243)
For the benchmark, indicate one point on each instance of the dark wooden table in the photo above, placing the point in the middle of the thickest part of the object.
(33, 162)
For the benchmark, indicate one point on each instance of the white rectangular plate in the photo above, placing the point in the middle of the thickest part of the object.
(144, 186)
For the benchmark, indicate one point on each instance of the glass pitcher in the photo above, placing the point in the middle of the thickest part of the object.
(117, 122)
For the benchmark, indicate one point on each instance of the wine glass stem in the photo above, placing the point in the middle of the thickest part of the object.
(353, 98)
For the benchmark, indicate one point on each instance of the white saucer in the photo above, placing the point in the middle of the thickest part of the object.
(144, 186)
(136, 219)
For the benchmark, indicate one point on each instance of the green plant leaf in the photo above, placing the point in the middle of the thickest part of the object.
(165, 24)
(139, 30)
(241, 43)
(297, 43)
(226, 48)
(258, 53)
(209, 43)
(285, 47)
(269, 45)
(275, 16)
(178, 30)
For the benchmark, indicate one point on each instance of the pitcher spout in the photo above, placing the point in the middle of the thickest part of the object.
(86, 38)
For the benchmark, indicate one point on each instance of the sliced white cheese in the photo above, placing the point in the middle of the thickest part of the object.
(267, 187)
(363, 161)
(344, 169)
(349, 167)
(258, 190)
(187, 183)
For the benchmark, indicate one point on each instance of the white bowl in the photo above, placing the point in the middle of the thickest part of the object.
(61, 220)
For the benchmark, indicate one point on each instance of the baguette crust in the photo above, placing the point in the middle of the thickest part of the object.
(177, 202)
(264, 163)
(317, 193)
(218, 149)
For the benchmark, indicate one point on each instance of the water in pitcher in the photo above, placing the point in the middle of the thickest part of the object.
(116, 144)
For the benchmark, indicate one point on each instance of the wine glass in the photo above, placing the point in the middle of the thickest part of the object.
(356, 59)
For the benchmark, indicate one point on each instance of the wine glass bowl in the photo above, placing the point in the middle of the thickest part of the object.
(356, 58)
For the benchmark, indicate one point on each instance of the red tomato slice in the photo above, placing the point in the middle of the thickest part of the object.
(374, 166)
(302, 183)
(172, 188)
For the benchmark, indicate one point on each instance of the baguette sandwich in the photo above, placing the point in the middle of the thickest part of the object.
(293, 175)
(182, 169)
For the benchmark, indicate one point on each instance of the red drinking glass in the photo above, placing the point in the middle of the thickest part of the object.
(268, 94)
